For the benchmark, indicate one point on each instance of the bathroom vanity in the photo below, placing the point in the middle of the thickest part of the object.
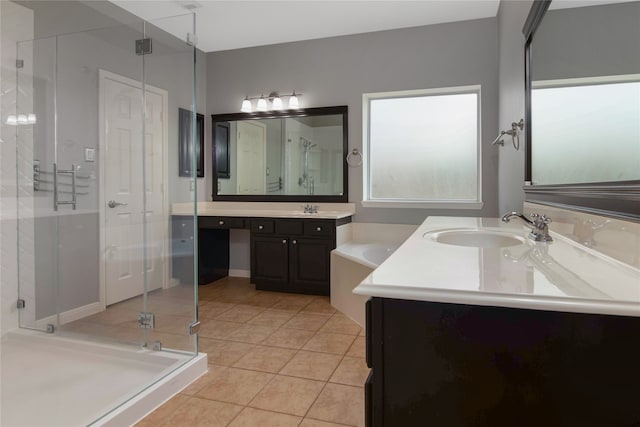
(471, 323)
(290, 249)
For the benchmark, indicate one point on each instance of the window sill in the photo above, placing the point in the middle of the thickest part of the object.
(421, 204)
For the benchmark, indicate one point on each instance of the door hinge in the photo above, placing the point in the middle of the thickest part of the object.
(20, 304)
(155, 345)
(19, 63)
(192, 39)
(146, 320)
(143, 46)
(194, 327)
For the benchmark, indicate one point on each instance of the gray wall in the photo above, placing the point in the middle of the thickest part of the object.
(338, 70)
(511, 17)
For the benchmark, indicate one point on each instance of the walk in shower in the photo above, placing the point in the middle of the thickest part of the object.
(93, 125)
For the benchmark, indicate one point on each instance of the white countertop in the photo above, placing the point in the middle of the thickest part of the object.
(267, 210)
(559, 276)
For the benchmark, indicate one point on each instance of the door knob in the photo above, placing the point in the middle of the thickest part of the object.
(113, 204)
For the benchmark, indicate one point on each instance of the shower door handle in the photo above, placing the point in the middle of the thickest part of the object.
(113, 204)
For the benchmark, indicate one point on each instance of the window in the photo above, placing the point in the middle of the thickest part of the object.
(422, 148)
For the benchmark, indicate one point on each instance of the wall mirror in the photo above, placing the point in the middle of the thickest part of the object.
(281, 156)
(583, 106)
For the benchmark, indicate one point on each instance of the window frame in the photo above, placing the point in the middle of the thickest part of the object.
(368, 201)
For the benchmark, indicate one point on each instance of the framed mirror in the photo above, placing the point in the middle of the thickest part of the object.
(582, 80)
(281, 156)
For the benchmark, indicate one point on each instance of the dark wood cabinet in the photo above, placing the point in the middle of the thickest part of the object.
(288, 255)
(292, 255)
(437, 364)
(269, 260)
(213, 247)
(182, 244)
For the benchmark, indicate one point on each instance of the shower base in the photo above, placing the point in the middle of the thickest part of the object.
(55, 381)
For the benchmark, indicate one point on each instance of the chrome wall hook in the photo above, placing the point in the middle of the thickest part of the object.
(514, 133)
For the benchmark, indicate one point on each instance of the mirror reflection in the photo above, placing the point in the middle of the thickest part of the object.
(585, 98)
(279, 156)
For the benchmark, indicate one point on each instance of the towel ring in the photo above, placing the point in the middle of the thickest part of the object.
(354, 158)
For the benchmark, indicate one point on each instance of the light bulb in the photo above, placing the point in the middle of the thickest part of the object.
(277, 103)
(246, 106)
(12, 120)
(262, 104)
(293, 101)
(31, 118)
(22, 119)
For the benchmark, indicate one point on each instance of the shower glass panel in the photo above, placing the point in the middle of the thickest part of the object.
(97, 145)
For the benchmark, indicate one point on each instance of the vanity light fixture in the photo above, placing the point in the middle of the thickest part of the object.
(276, 102)
(293, 101)
(21, 119)
(246, 105)
(262, 104)
(274, 98)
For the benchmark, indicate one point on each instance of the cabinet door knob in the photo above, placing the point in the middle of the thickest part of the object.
(295, 242)
(318, 228)
(284, 240)
(221, 222)
(260, 227)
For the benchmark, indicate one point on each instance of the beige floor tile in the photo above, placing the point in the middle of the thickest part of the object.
(213, 309)
(250, 417)
(252, 334)
(308, 422)
(329, 343)
(339, 404)
(159, 416)
(218, 328)
(307, 321)
(293, 302)
(288, 338)
(315, 366)
(351, 371)
(224, 353)
(114, 316)
(341, 324)
(264, 299)
(266, 359)
(213, 373)
(237, 386)
(172, 324)
(272, 318)
(287, 394)
(240, 313)
(203, 413)
(321, 306)
(358, 348)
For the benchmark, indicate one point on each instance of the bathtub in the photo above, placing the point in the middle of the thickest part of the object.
(361, 248)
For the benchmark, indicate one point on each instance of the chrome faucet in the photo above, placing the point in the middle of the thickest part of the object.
(309, 208)
(539, 225)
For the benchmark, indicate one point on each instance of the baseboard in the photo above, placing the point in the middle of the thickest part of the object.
(240, 273)
(71, 315)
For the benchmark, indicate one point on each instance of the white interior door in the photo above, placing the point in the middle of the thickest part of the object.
(252, 160)
(133, 208)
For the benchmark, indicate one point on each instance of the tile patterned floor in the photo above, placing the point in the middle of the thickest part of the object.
(275, 359)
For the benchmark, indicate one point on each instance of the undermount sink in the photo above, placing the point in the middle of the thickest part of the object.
(475, 238)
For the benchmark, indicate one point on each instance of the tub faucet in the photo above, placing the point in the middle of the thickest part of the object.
(539, 225)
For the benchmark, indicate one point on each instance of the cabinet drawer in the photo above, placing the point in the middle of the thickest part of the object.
(220, 222)
(262, 225)
(317, 228)
(291, 227)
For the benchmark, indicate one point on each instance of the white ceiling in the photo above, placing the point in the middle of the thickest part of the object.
(223, 25)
